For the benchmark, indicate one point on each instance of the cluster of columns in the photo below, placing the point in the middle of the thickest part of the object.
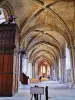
(72, 54)
(58, 69)
(65, 64)
(27, 67)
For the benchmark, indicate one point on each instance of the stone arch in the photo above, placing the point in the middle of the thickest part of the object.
(67, 38)
(36, 36)
(35, 48)
(47, 43)
(43, 51)
(38, 12)
(44, 57)
(8, 7)
(33, 16)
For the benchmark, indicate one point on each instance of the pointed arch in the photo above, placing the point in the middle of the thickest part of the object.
(8, 7)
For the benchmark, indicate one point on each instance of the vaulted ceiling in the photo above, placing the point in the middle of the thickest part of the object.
(46, 26)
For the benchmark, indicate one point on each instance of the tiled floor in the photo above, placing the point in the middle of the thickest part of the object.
(56, 91)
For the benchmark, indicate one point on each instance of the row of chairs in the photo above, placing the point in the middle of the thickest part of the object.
(36, 80)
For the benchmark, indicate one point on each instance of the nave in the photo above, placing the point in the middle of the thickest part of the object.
(37, 38)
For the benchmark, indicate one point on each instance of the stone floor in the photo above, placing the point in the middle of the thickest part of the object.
(56, 91)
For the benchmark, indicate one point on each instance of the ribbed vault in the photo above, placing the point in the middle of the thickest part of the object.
(46, 26)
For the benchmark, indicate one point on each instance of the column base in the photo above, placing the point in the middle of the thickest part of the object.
(72, 86)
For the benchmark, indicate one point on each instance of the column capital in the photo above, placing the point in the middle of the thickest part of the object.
(24, 56)
(71, 46)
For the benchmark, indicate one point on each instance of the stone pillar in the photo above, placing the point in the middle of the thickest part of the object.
(57, 70)
(52, 72)
(62, 68)
(19, 68)
(72, 58)
(68, 65)
(46, 70)
(24, 64)
(33, 70)
(24, 69)
(36, 70)
(29, 71)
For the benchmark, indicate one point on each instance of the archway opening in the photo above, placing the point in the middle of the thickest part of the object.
(3, 15)
(44, 69)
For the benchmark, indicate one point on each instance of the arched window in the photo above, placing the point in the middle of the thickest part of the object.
(3, 15)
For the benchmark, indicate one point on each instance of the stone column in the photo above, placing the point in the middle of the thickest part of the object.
(24, 64)
(52, 72)
(36, 70)
(19, 69)
(29, 71)
(62, 68)
(55, 73)
(46, 70)
(24, 69)
(57, 70)
(72, 58)
(33, 70)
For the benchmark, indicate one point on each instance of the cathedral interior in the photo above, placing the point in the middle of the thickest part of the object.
(39, 43)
